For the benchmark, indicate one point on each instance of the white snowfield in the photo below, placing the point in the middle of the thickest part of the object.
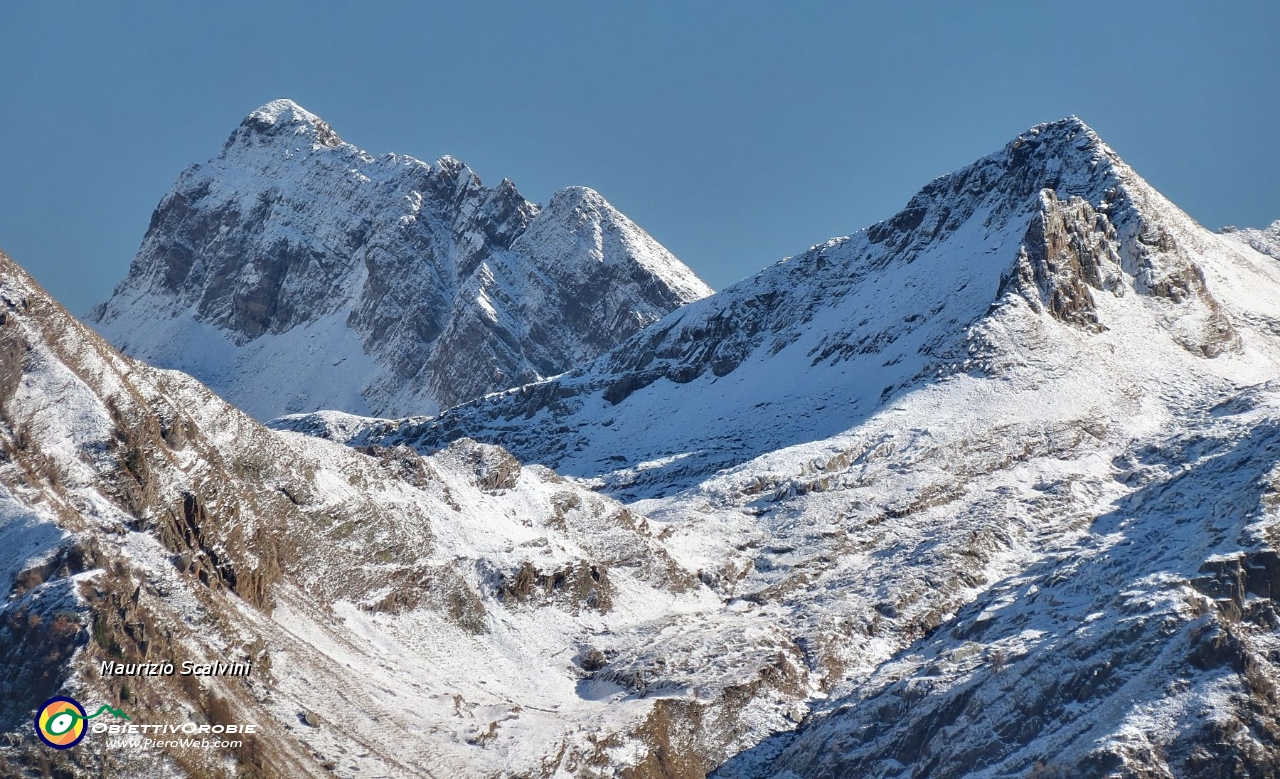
(296, 272)
(988, 489)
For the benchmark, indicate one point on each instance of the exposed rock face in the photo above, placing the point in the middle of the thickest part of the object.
(1068, 248)
(296, 272)
(1071, 247)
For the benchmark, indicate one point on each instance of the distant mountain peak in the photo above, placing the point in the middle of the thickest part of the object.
(285, 120)
(386, 285)
(1068, 146)
(1069, 132)
(1069, 125)
(455, 167)
(577, 197)
(282, 111)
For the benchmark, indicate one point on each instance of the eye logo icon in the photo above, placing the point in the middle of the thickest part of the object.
(60, 722)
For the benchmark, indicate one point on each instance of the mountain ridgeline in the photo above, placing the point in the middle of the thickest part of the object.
(296, 272)
(1055, 222)
(988, 489)
(1265, 240)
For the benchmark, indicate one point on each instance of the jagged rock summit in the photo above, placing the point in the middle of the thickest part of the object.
(296, 272)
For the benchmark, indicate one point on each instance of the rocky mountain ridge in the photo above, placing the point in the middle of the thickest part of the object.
(143, 519)
(296, 272)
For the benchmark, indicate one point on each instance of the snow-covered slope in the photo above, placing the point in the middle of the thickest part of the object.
(1266, 240)
(1054, 223)
(296, 272)
(435, 616)
(985, 467)
(1145, 644)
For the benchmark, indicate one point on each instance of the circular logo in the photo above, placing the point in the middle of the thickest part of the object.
(60, 722)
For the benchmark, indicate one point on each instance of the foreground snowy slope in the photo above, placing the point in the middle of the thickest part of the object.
(1148, 646)
(296, 272)
(435, 617)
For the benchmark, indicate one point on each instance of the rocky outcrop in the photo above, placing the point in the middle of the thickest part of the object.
(1071, 248)
(1068, 249)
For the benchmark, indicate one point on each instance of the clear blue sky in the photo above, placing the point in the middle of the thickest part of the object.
(735, 132)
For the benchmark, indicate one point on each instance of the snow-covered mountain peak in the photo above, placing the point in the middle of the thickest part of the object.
(282, 121)
(582, 207)
(449, 167)
(601, 235)
(1069, 127)
(296, 272)
(281, 111)
(1068, 138)
(577, 198)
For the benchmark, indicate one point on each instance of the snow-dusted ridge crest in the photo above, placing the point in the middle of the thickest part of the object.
(296, 272)
(1055, 222)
